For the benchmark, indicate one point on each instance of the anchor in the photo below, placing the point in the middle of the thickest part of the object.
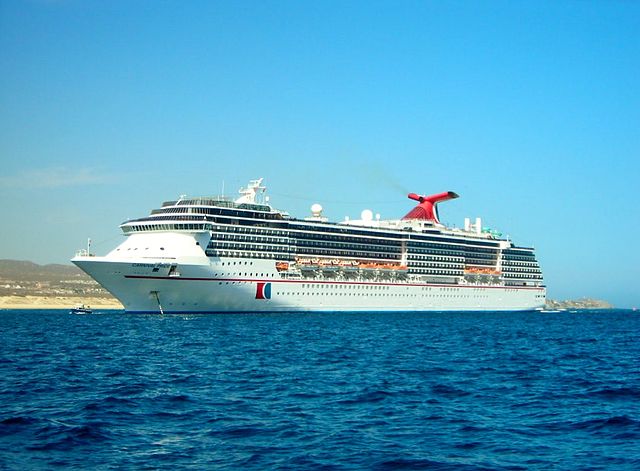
(155, 293)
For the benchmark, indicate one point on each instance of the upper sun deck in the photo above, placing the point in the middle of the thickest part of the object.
(212, 201)
(252, 198)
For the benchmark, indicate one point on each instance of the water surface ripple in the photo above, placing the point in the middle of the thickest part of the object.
(464, 391)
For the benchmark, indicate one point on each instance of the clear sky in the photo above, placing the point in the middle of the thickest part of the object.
(529, 110)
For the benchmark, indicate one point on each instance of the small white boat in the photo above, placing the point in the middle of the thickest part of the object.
(81, 309)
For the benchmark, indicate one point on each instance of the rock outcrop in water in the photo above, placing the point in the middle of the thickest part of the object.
(584, 303)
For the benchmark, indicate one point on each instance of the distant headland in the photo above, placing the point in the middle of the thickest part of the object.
(27, 285)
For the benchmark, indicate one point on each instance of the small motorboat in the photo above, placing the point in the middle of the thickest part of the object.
(81, 309)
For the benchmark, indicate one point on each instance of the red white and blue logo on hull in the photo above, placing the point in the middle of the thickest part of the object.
(263, 291)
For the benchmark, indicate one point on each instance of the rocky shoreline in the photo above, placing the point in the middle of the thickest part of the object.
(585, 303)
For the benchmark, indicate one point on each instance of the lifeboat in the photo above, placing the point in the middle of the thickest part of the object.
(383, 266)
(481, 271)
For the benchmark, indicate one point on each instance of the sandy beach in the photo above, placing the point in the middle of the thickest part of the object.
(55, 302)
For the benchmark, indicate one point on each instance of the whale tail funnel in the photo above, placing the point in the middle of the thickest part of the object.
(427, 208)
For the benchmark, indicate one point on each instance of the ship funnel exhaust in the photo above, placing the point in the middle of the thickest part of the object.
(427, 207)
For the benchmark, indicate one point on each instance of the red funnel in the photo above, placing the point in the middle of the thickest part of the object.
(427, 208)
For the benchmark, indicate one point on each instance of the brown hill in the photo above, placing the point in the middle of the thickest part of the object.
(23, 278)
(25, 270)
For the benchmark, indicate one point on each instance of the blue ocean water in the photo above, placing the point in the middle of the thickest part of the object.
(465, 391)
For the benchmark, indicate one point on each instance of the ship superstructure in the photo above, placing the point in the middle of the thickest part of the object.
(215, 254)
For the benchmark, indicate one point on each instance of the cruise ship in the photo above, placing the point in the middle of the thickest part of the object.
(224, 255)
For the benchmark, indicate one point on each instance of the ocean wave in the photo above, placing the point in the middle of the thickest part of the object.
(604, 424)
(423, 463)
(243, 431)
(17, 421)
(622, 392)
(371, 396)
(623, 421)
(61, 436)
(448, 391)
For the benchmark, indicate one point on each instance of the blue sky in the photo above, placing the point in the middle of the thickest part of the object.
(529, 110)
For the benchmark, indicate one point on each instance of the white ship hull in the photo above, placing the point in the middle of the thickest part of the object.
(215, 255)
(206, 287)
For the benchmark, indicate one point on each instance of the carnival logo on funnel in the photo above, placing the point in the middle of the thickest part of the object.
(263, 291)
